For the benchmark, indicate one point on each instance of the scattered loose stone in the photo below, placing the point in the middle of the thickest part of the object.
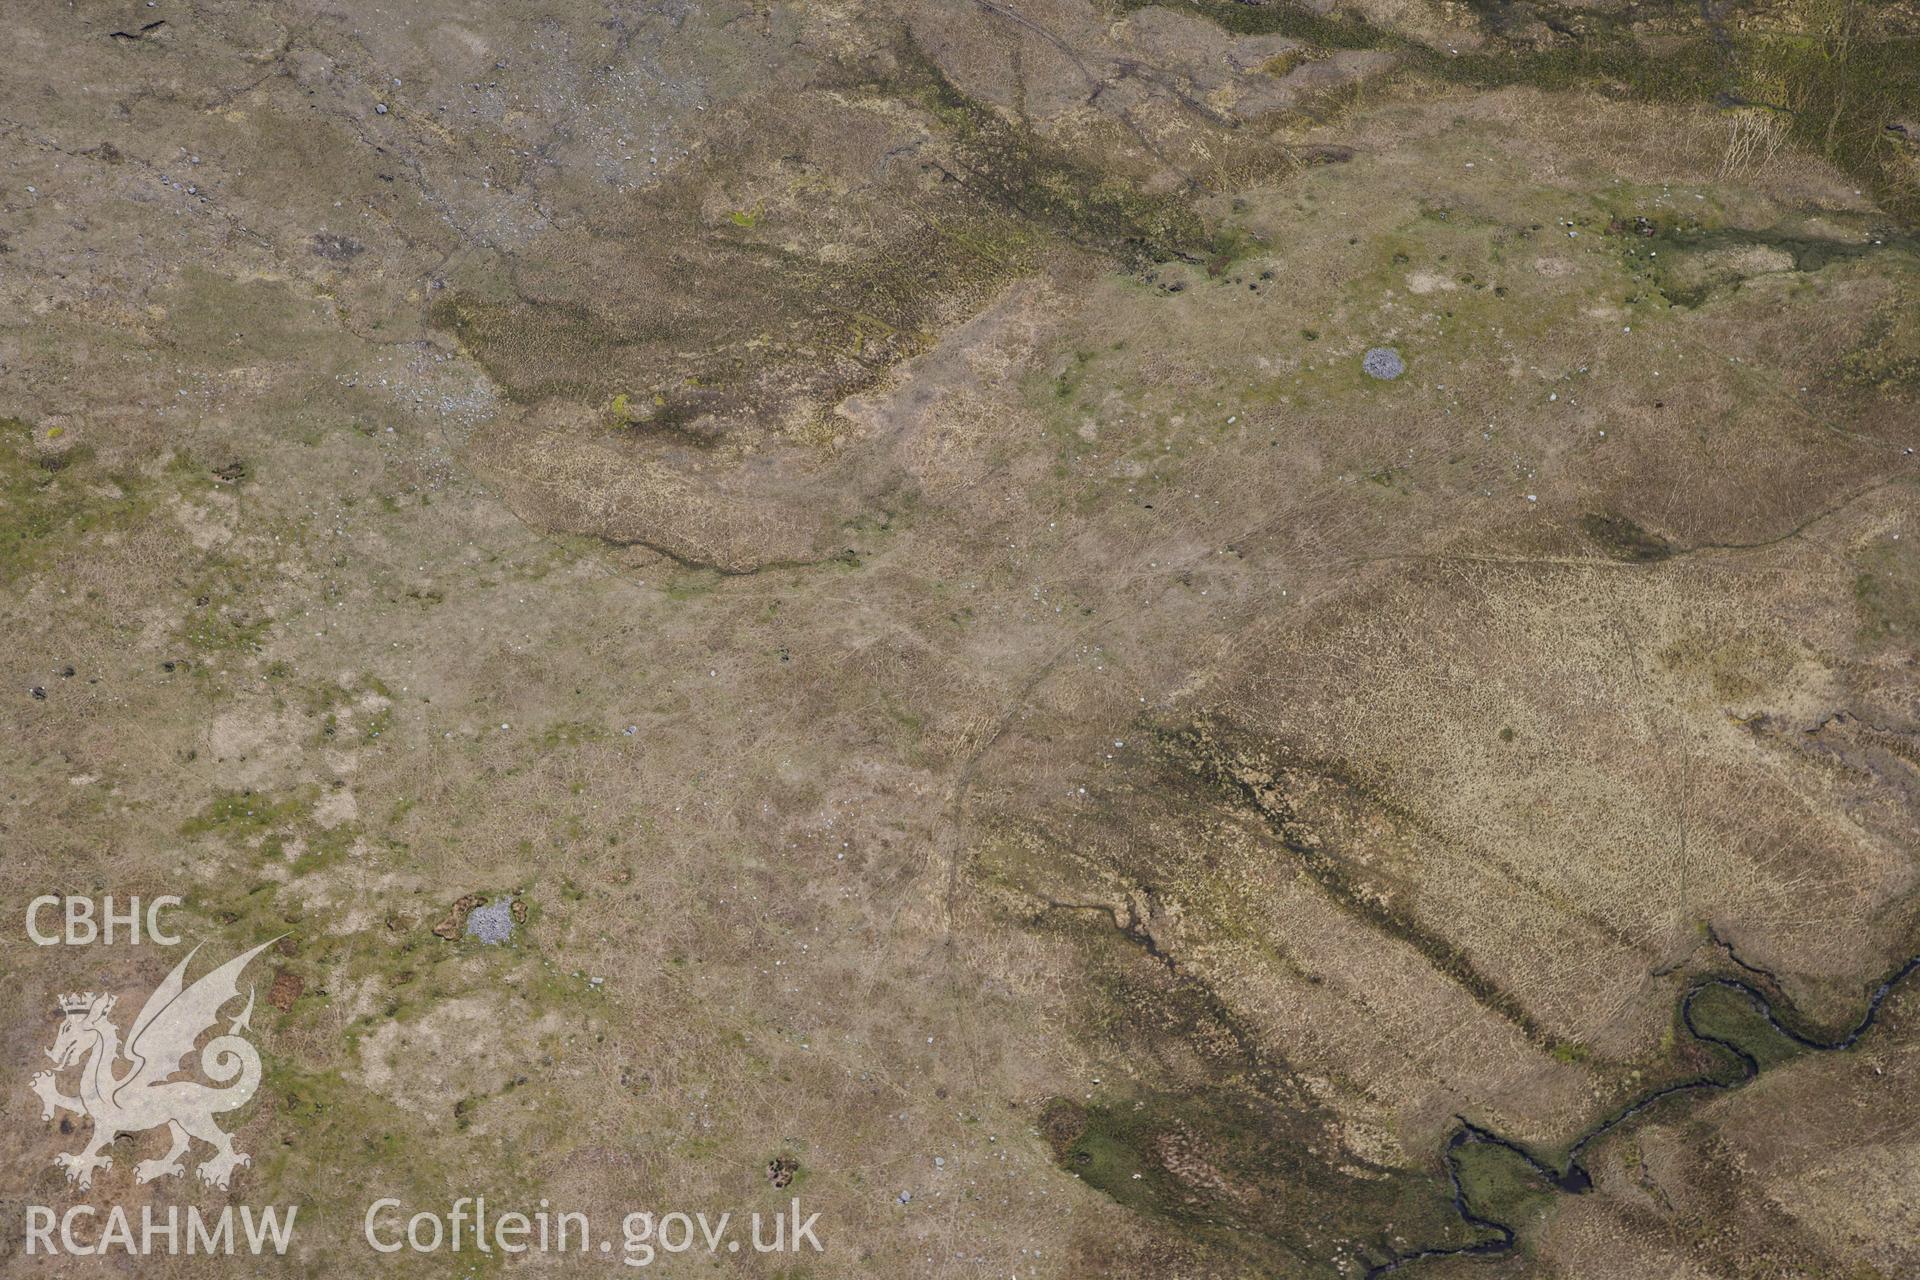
(1383, 363)
(492, 924)
(337, 248)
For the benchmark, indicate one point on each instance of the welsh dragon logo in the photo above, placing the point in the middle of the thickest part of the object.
(145, 1095)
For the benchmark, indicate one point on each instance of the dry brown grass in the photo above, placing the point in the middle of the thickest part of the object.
(1084, 686)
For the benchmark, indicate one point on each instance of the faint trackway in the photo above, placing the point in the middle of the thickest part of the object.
(953, 839)
(1597, 561)
(1098, 84)
(955, 831)
(1123, 69)
(1573, 1177)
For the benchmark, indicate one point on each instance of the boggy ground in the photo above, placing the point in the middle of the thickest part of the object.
(868, 519)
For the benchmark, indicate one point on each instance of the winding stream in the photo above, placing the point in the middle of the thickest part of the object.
(1574, 1178)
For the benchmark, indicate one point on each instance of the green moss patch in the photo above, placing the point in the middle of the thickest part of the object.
(1235, 1174)
(1499, 1185)
(1725, 1014)
(1276, 18)
(52, 499)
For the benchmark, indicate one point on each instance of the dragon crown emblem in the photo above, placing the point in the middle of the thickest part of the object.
(130, 1087)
